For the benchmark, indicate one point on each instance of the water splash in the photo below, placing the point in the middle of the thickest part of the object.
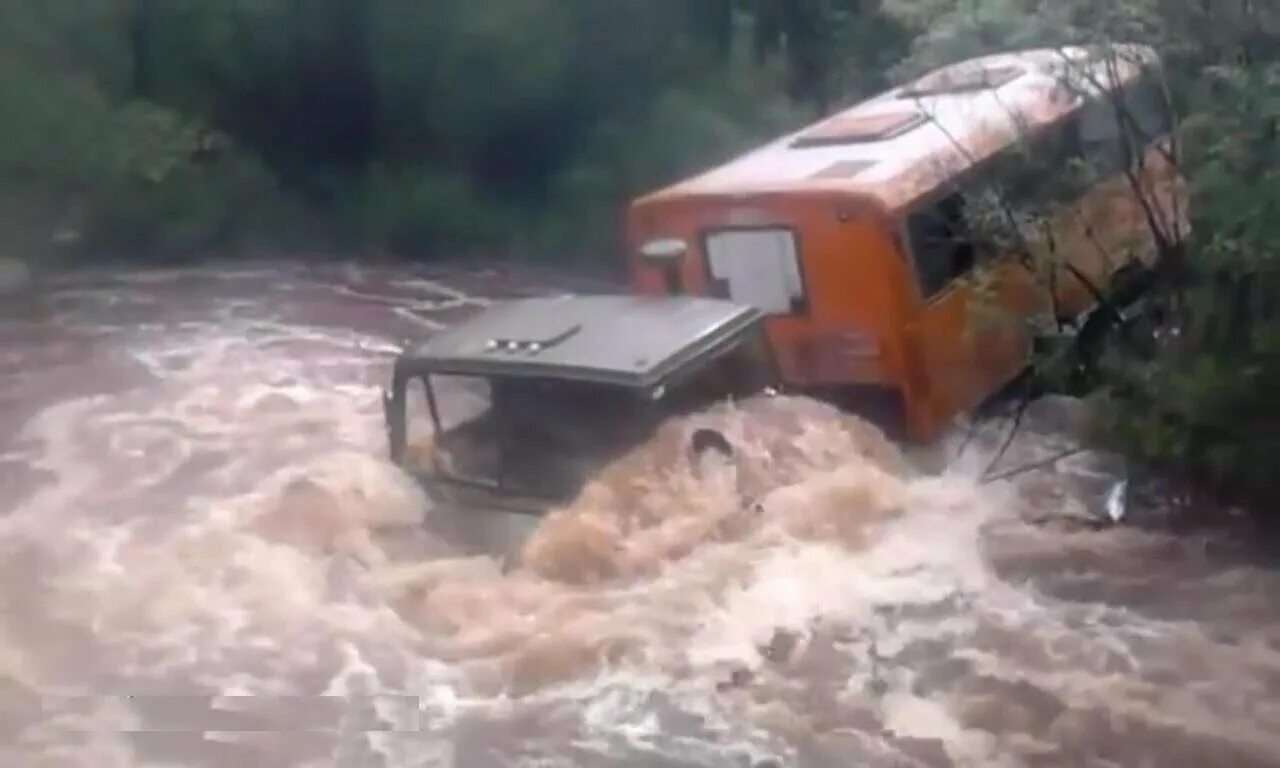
(200, 510)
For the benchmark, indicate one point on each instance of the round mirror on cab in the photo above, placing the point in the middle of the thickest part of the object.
(664, 251)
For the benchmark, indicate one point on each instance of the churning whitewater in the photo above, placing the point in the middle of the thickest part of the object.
(205, 560)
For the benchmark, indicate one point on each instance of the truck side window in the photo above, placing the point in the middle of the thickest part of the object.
(760, 267)
(419, 429)
(1148, 110)
(1101, 136)
(467, 447)
(417, 413)
(940, 245)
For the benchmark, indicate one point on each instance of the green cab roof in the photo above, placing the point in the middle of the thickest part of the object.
(631, 341)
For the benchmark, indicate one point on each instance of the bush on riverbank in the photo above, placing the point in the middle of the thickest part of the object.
(1207, 403)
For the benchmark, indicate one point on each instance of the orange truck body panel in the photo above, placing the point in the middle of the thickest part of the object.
(864, 321)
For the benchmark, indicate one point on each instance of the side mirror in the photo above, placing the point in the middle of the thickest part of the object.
(664, 251)
(666, 255)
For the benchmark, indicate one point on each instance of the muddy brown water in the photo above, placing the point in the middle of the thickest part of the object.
(205, 560)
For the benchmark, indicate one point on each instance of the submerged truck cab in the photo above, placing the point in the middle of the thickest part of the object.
(864, 238)
(523, 403)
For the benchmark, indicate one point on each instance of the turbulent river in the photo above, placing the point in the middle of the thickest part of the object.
(206, 561)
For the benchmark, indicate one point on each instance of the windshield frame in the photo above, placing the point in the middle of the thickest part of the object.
(644, 409)
(652, 404)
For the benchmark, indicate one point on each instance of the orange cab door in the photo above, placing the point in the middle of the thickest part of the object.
(948, 382)
(969, 335)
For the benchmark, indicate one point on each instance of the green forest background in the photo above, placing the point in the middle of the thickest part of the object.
(164, 130)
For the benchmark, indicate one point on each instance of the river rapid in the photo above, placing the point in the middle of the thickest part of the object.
(205, 561)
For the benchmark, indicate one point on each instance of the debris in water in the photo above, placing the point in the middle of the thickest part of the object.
(709, 439)
(781, 646)
(1116, 501)
(739, 678)
(876, 685)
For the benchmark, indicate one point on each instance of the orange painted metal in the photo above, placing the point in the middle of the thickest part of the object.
(865, 322)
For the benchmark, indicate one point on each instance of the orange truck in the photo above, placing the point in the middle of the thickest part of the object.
(874, 240)
(856, 259)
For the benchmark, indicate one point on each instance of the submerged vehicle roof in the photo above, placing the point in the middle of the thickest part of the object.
(633, 341)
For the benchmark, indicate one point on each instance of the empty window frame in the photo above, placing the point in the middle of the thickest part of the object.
(941, 247)
(1115, 128)
(1148, 108)
(757, 267)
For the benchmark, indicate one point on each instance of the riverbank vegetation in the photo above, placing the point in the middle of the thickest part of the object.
(177, 129)
(150, 128)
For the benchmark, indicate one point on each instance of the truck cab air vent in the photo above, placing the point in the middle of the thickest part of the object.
(861, 129)
(962, 79)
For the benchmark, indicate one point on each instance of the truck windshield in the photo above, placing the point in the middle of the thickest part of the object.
(544, 437)
(533, 436)
(457, 445)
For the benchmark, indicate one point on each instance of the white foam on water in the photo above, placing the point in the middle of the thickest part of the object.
(226, 526)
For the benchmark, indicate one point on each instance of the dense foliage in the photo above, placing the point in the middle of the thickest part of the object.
(166, 127)
(177, 128)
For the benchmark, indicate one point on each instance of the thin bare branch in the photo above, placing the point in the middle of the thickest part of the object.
(1023, 404)
(1025, 468)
